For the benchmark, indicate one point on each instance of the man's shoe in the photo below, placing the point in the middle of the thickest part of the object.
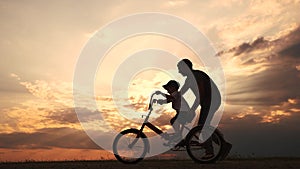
(225, 150)
(176, 138)
(173, 140)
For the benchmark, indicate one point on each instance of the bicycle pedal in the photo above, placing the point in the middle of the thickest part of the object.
(177, 148)
(165, 136)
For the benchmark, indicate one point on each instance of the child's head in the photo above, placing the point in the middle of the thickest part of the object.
(171, 86)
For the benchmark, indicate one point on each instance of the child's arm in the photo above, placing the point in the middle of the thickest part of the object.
(168, 99)
(162, 101)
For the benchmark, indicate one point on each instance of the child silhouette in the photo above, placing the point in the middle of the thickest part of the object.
(180, 105)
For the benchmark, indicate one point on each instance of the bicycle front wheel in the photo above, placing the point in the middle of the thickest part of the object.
(130, 146)
(197, 149)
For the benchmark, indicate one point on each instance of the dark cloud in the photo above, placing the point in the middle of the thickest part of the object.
(63, 116)
(287, 45)
(291, 45)
(48, 138)
(279, 79)
(271, 93)
(69, 115)
(246, 47)
(252, 138)
(272, 86)
(291, 51)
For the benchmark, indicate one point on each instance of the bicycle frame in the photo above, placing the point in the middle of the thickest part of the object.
(190, 142)
(146, 122)
(150, 125)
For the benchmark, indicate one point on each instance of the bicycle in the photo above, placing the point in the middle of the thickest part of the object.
(131, 145)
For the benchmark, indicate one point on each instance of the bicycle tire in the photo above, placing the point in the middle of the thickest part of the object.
(197, 155)
(130, 135)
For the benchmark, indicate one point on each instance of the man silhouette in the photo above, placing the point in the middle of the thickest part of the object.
(206, 93)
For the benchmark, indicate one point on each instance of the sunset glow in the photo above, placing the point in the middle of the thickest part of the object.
(257, 43)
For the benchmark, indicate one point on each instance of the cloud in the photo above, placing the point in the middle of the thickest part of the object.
(264, 131)
(271, 114)
(48, 104)
(62, 116)
(51, 106)
(9, 86)
(246, 47)
(263, 72)
(138, 103)
(175, 3)
(15, 76)
(251, 19)
(59, 92)
(292, 51)
(263, 96)
(47, 138)
(285, 45)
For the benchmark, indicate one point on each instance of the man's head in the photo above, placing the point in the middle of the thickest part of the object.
(171, 86)
(184, 67)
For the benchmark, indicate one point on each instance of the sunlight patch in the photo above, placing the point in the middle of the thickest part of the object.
(190, 97)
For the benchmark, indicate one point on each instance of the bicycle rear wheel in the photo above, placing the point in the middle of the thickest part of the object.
(130, 146)
(196, 148)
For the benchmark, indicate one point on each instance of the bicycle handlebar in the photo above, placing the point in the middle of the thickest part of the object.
(151, 99)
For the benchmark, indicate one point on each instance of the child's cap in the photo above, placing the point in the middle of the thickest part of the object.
(172, 83)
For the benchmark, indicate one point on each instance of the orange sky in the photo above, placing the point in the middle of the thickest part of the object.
(257, 43)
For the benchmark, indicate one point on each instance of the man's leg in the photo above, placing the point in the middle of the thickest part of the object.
(203, 115)
(209, 150)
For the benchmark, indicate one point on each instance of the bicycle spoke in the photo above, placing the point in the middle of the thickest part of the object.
(129, 148)
(203, 151)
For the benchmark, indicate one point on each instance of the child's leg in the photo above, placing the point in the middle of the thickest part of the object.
(176, 127)
(178, 132)
(175, 124)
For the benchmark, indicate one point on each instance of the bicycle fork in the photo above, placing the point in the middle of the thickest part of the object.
(152, 127)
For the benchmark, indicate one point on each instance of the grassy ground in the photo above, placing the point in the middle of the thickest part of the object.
(278, 163)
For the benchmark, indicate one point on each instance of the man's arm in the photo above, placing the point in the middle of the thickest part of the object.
(186, 86)
(196, 102)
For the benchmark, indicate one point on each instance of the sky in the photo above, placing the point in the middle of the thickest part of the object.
(257, 43)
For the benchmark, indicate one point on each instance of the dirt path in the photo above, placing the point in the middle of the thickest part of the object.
(160, 164)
